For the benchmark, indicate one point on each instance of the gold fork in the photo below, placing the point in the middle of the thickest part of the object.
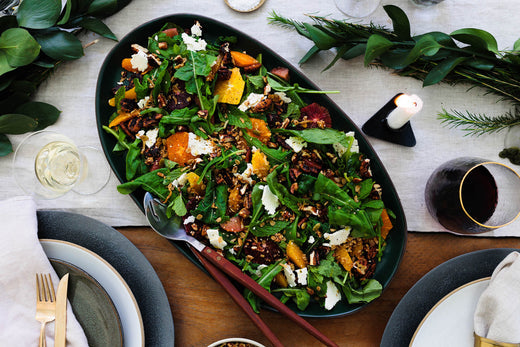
(45, 304)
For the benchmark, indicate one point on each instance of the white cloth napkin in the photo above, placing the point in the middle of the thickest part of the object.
(21, 258)
(497, 316)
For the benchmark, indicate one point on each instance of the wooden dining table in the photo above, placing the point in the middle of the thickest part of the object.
(203, 312)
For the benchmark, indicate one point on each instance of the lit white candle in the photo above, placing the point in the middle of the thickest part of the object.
(407, 106)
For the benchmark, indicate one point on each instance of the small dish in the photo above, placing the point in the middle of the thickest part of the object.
(238, 340)
(244, 5)
(91, 305)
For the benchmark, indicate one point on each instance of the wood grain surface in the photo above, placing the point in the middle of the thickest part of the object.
(203, 312)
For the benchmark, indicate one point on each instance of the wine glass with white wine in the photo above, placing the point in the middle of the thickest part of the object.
(47, 165)
(357, 8)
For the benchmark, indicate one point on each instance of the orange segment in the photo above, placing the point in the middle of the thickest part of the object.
(387, 224)
(230, 91)
(259, 130)
(260, 164)
(177, 145)
(242, 59)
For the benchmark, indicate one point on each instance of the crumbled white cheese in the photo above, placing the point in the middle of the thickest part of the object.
(259, 269)
(198, 146)
(139, 61)
(190, 219)
(149, 138)
(284, 97)
(196, 30)
(289, 274)
(332, 296)
(338, 237)
(296, 143)
(311, 239)
(194, 43)
(246, 175)
(269, 200)
(215, 239)
(156, 38)
(340, 149)
(142, 103)
(302, 276)
(252, 100)
(180, 181)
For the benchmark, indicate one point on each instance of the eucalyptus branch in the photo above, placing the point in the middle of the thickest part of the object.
(433, 57)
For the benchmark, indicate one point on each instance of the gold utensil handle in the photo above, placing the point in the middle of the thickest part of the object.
(485, 342)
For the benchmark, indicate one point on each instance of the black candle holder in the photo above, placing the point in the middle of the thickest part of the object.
(377, 126)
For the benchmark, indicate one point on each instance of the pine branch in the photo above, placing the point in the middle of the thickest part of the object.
(478, 124)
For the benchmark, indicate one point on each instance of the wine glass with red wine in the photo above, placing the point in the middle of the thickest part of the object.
(473, 195)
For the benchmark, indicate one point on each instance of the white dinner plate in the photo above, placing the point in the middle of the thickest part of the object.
(450, 321)
(111, 281)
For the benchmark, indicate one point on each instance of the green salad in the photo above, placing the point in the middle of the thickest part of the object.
(250, 168)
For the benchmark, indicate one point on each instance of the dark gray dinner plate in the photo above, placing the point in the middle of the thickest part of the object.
(91, 305)
(131, 264)
(433, 286)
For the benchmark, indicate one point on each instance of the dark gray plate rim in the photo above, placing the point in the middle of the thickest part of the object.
(131, 264)
(433, 286)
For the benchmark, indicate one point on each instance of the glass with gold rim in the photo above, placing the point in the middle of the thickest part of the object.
(471, 195)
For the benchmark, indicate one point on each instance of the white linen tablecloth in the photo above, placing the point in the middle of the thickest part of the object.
(362, 93)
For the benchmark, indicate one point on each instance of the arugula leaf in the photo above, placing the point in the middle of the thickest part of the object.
(275, 155)
(150, 182)
(213, 206)
(178, 206)
(359, 221)
(133, 161)
(371, 290)
(265, 281)
(236, 118)
(268, 229)
(283, 194)
(299, 295)
(327, 136)
(327, 189)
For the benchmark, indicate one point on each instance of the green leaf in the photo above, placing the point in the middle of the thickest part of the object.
(481, 64)
(327, 136)
(179, 207)
(45, 114)
(426, 45)
(19, 47)
(16, 124)
(400, 21)
(5, 145)
(442, 38)
(268, 229)
(327, 189)
(310, 53)
(95, 25)
(370, 291)
(4, 64)
(376, 45)
(516, 46)
(321, 39)
(38, 14)
(102, 8)
(60, 45)
(151, 182)
(66, 15)
(477, 38)
(214, 204)
(355, 51)
(442, 70)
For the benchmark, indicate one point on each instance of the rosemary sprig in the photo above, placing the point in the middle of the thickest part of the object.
(432, 58)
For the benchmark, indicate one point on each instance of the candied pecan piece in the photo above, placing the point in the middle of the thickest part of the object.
(252, 68)
(262, 106)
(262, 250)
(364, 169)
(128, 105)
(223, 74)
(281, 72)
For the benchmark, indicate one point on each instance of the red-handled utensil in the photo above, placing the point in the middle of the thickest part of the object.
(169, 228)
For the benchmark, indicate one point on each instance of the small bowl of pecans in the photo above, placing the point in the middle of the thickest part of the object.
(236, 342)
